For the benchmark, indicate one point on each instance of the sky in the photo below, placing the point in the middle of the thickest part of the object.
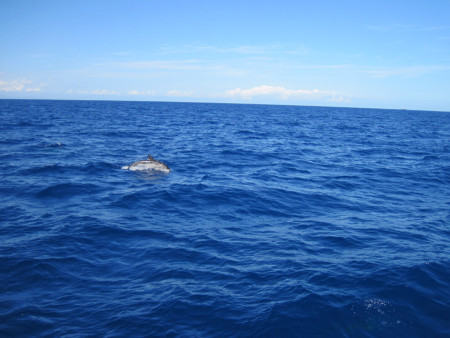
(374, 54)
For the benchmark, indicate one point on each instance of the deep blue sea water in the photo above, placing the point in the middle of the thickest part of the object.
(275, 221)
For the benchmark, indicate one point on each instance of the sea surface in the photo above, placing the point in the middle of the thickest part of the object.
(275, 221)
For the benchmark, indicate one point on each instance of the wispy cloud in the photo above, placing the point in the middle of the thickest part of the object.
(406, 28)
(244, 50)
(123, 53)
(407, 71)
(266, 49)
(104, 92)
(35, 89)
(39, 55)
(99, 92)
(196, 67)
(22, 85)
(322, 66)
(161, 64)
(180, 93)
(394, 27)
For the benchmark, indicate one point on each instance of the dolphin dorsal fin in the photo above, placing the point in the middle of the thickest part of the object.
(150, 158)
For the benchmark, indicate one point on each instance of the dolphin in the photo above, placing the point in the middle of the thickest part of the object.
(149, 164)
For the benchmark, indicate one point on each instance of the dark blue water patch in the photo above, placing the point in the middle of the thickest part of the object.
(275, 220)
(67, 190)
(50, 169)
(11, 212)
(341, 184)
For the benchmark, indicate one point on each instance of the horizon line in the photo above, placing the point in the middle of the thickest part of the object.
(236, 103)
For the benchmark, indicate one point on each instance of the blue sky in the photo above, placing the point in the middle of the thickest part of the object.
(385, 53)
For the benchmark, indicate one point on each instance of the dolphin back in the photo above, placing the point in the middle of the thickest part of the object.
(149, 165)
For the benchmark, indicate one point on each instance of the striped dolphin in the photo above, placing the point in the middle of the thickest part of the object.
(149, 164)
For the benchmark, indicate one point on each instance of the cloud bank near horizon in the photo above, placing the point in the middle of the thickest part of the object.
(283, 93)
(246, 94)
(278, 93)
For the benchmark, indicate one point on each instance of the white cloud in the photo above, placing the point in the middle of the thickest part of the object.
(280, 92)
(143, 93)
(18, 86)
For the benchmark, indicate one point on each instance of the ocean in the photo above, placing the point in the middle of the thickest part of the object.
(275, 221)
